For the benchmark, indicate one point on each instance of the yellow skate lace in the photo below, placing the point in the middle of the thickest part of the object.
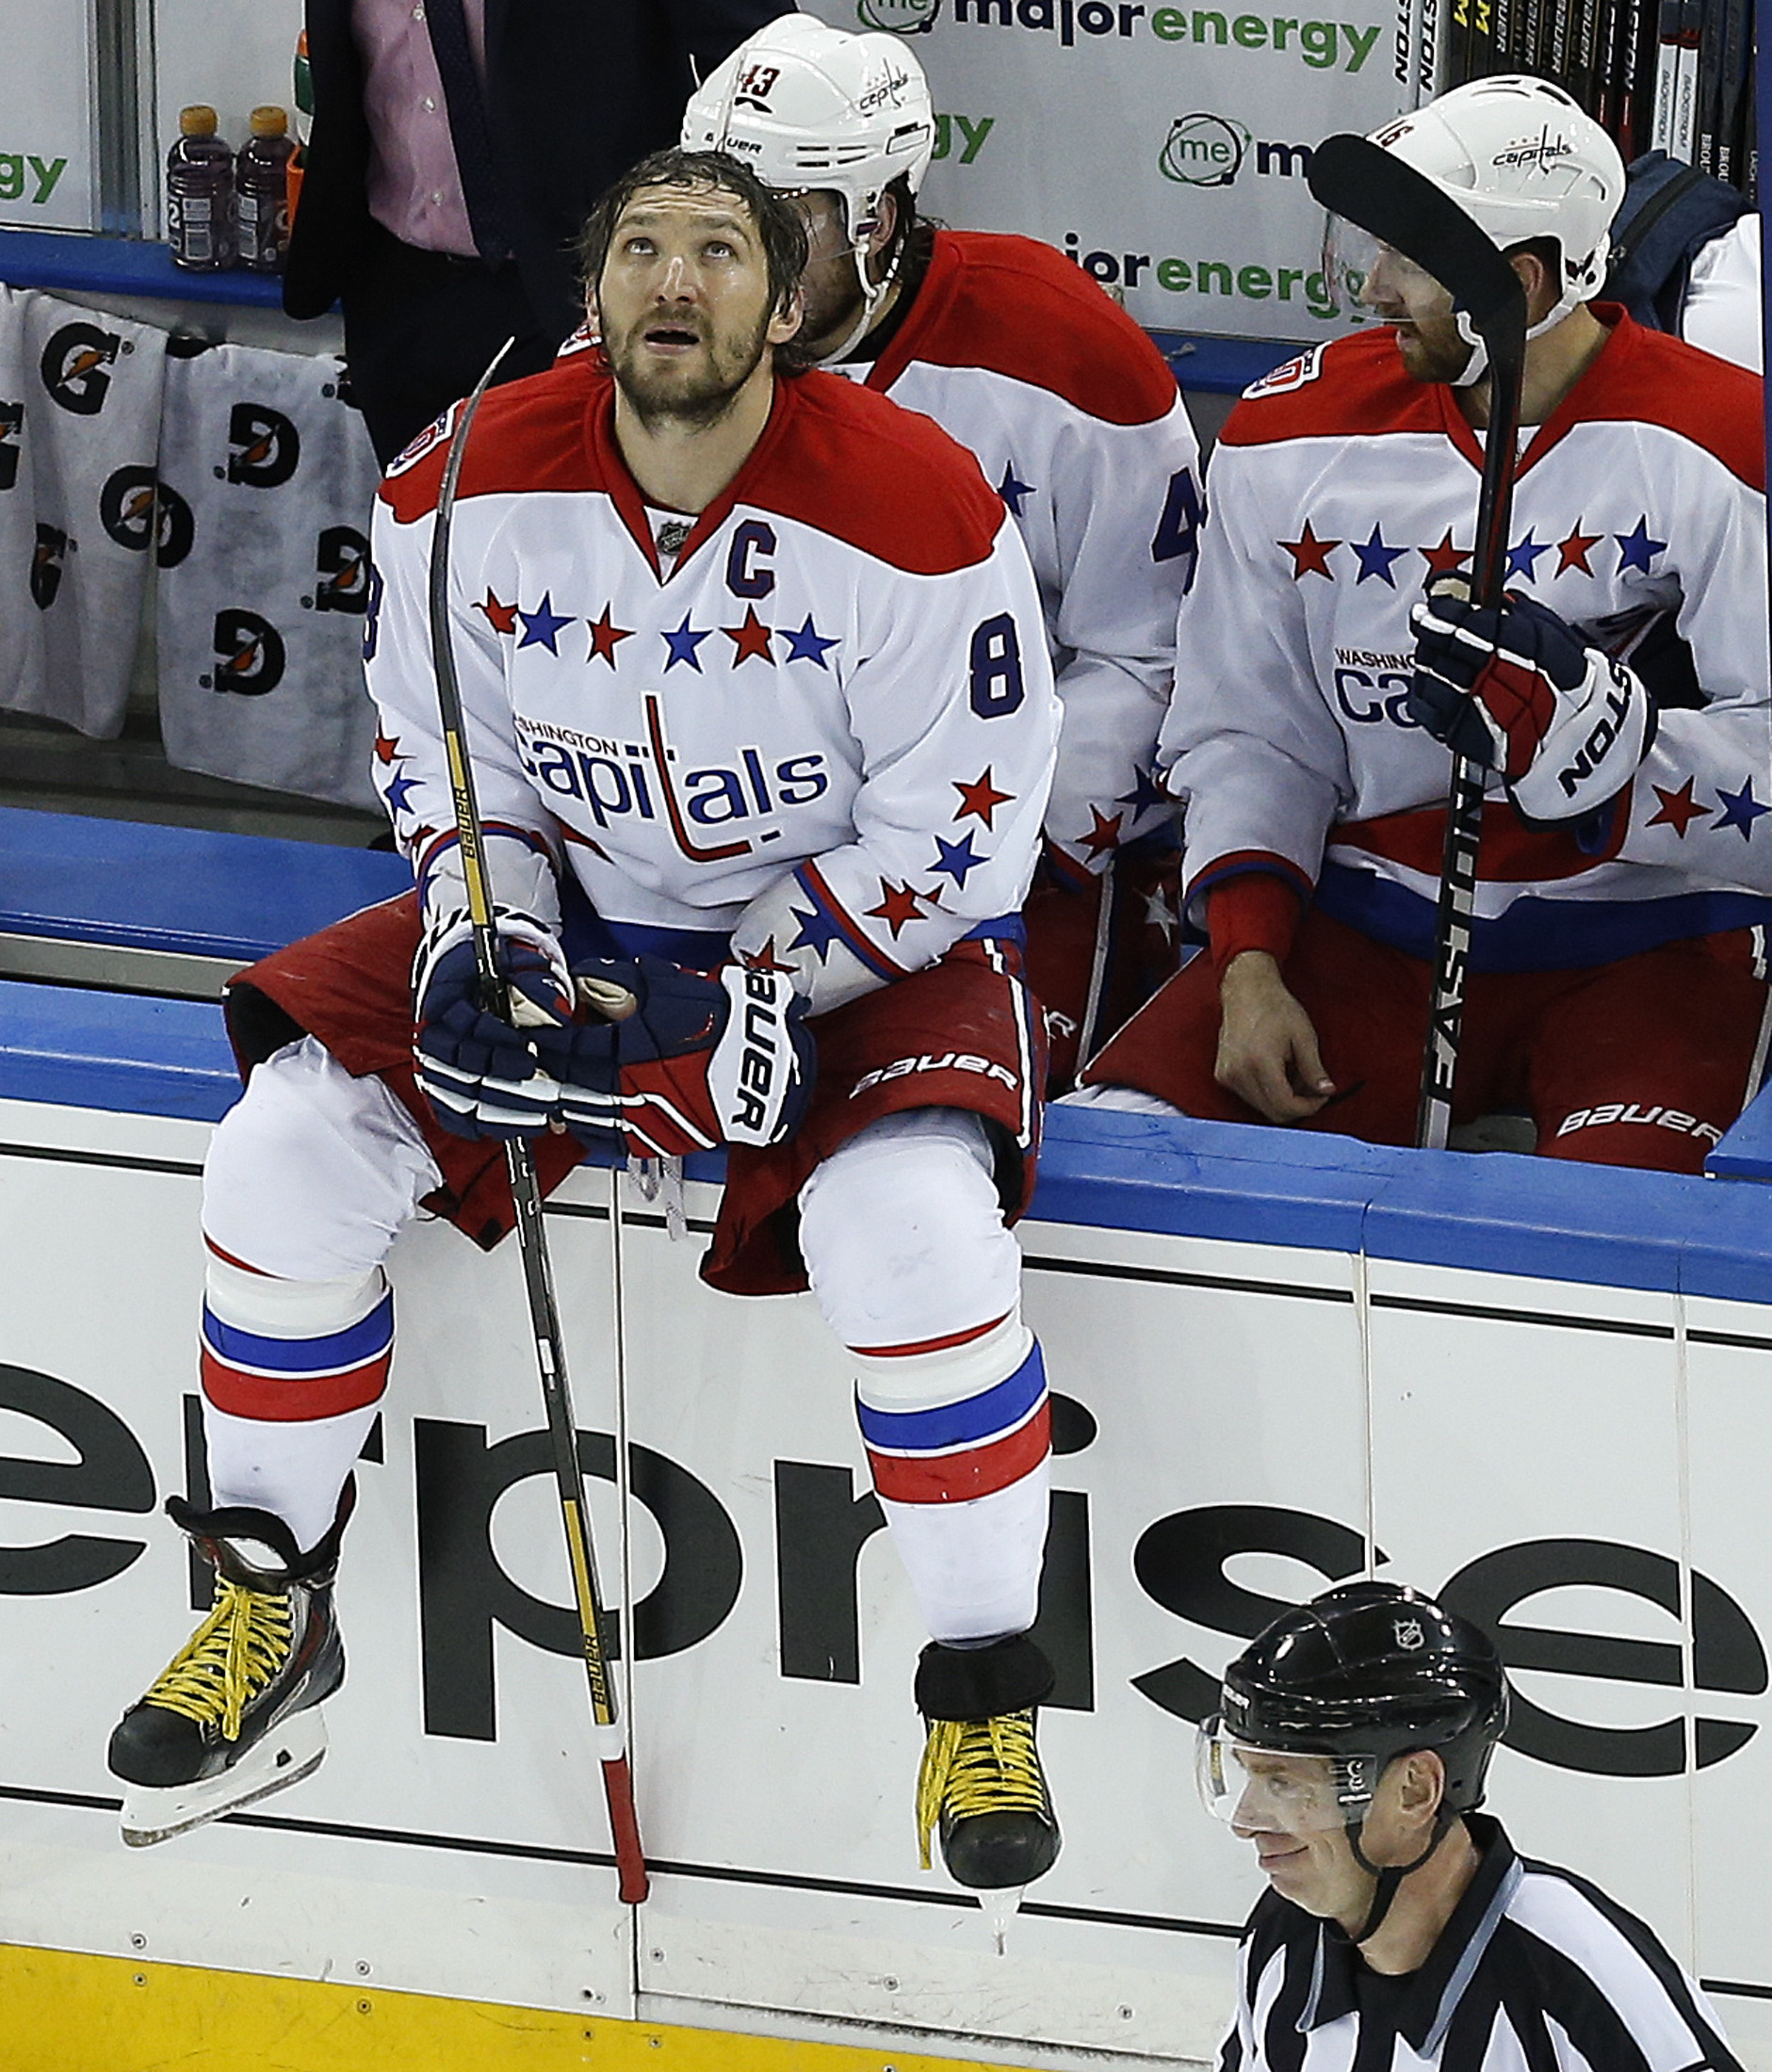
(230, 1659)
(977, 1766)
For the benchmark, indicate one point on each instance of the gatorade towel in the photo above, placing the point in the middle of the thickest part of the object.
(79, 428)
(262, 597)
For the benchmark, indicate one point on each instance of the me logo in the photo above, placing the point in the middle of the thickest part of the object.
(1203, 150)
(899, 17)
(1210, 150)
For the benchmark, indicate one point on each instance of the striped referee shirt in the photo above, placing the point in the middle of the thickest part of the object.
(1535, 1971)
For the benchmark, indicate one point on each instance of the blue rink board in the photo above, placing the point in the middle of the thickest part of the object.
(1495, 1212)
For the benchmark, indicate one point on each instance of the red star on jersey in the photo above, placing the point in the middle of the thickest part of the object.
(1572, 552)
(606, 636)
(501, 618)
(898, 905)
(1310, 555)
(1105, 834)
(1679, 809)
(980, 798)
(750, 639)
(1445, 559)
(766, 960)
(386, 750)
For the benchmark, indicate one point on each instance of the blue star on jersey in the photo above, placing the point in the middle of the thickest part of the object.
(956, 859)
(1376, 558)
(396, 790)
(1741, 809)
(683, 643)
(1145, 790)
(1636, 549)
(541, 627)
(1014, 492)
(1522, 558)
(817, 932)
(805, 645)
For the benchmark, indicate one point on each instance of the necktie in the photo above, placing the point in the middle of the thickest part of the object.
(469, 130)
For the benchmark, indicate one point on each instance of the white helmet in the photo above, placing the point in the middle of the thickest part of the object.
(1525, 160)
(806, 106)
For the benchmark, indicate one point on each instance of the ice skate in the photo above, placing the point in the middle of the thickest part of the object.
(980, 1786)
(235, 1714)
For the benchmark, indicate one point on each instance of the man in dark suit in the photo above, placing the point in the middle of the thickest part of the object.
(457, 148)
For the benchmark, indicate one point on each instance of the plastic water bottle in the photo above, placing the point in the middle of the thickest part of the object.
(200, 195)
(261, 192)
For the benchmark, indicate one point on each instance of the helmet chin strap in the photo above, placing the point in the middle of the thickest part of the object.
(1478, 364)
(1390, 1876)
(872, 293)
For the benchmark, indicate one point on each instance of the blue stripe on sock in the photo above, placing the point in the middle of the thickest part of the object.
(366, 1339)
(969, 1422)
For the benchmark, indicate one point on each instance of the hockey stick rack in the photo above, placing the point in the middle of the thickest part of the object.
(538, 1280)
(1372, 188)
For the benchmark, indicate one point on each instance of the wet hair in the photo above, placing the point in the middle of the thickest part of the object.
(777, 221)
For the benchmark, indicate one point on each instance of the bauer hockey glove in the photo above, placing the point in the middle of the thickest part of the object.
(1519, 690)
(478, 1072)
(673, 1063)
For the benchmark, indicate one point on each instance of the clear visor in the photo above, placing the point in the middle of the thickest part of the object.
(1363, 275)
(1259, 1791)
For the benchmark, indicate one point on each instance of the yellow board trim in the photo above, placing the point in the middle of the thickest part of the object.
(70, 2013)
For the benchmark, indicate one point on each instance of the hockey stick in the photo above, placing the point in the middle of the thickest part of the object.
(538, 1280)
(1370, 187)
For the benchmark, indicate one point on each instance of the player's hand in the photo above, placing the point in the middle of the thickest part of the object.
(1267, 1047)
(1519, 690)
(478, 1072)
(667, 1061)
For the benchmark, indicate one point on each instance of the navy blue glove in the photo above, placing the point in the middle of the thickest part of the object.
(671, 1061)
(1521, 691)
(478, 1072)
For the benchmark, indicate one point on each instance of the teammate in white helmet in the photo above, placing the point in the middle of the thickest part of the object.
(722, 696)
(1400, 1926)
(1617, 994)
(1077, 423)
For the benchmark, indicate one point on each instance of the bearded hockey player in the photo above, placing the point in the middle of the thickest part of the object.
(1076, 422)
(762, 720)
(1328, 658)
(1399, 1926)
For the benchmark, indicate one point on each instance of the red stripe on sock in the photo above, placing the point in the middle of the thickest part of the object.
(927, 1345)
(951, 1478)
(293, 1399)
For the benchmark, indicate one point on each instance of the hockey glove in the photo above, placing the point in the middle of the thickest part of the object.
(673, 1063)
(1519, 690)
(478, 1072)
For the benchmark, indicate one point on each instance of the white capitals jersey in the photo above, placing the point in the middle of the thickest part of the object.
(1078, 424)
(833, 710)
(1339, 486)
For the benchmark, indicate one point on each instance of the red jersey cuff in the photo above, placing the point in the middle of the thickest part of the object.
(1254, 910)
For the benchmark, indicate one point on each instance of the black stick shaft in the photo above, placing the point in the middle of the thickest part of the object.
(538, 1280)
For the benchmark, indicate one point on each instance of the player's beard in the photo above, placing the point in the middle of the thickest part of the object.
(691, 395)
(1434, 350)
(831, 309)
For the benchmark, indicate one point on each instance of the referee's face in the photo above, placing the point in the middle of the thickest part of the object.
(1289, 1811)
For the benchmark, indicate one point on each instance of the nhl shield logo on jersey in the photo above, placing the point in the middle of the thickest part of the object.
(75, 367)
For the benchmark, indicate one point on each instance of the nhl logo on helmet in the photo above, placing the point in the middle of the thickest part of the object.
(1409, 1635)
(138, 511)
(52, 546)
(75, 367)
(249, 652)
(264, 447)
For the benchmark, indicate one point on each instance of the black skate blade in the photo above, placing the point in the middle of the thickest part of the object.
(286, 1755)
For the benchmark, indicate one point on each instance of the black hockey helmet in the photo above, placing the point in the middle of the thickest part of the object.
(1364, 1674)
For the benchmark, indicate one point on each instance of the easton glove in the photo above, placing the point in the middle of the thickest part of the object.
(1519, 690)
(673, 1063)
(478, 1072)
